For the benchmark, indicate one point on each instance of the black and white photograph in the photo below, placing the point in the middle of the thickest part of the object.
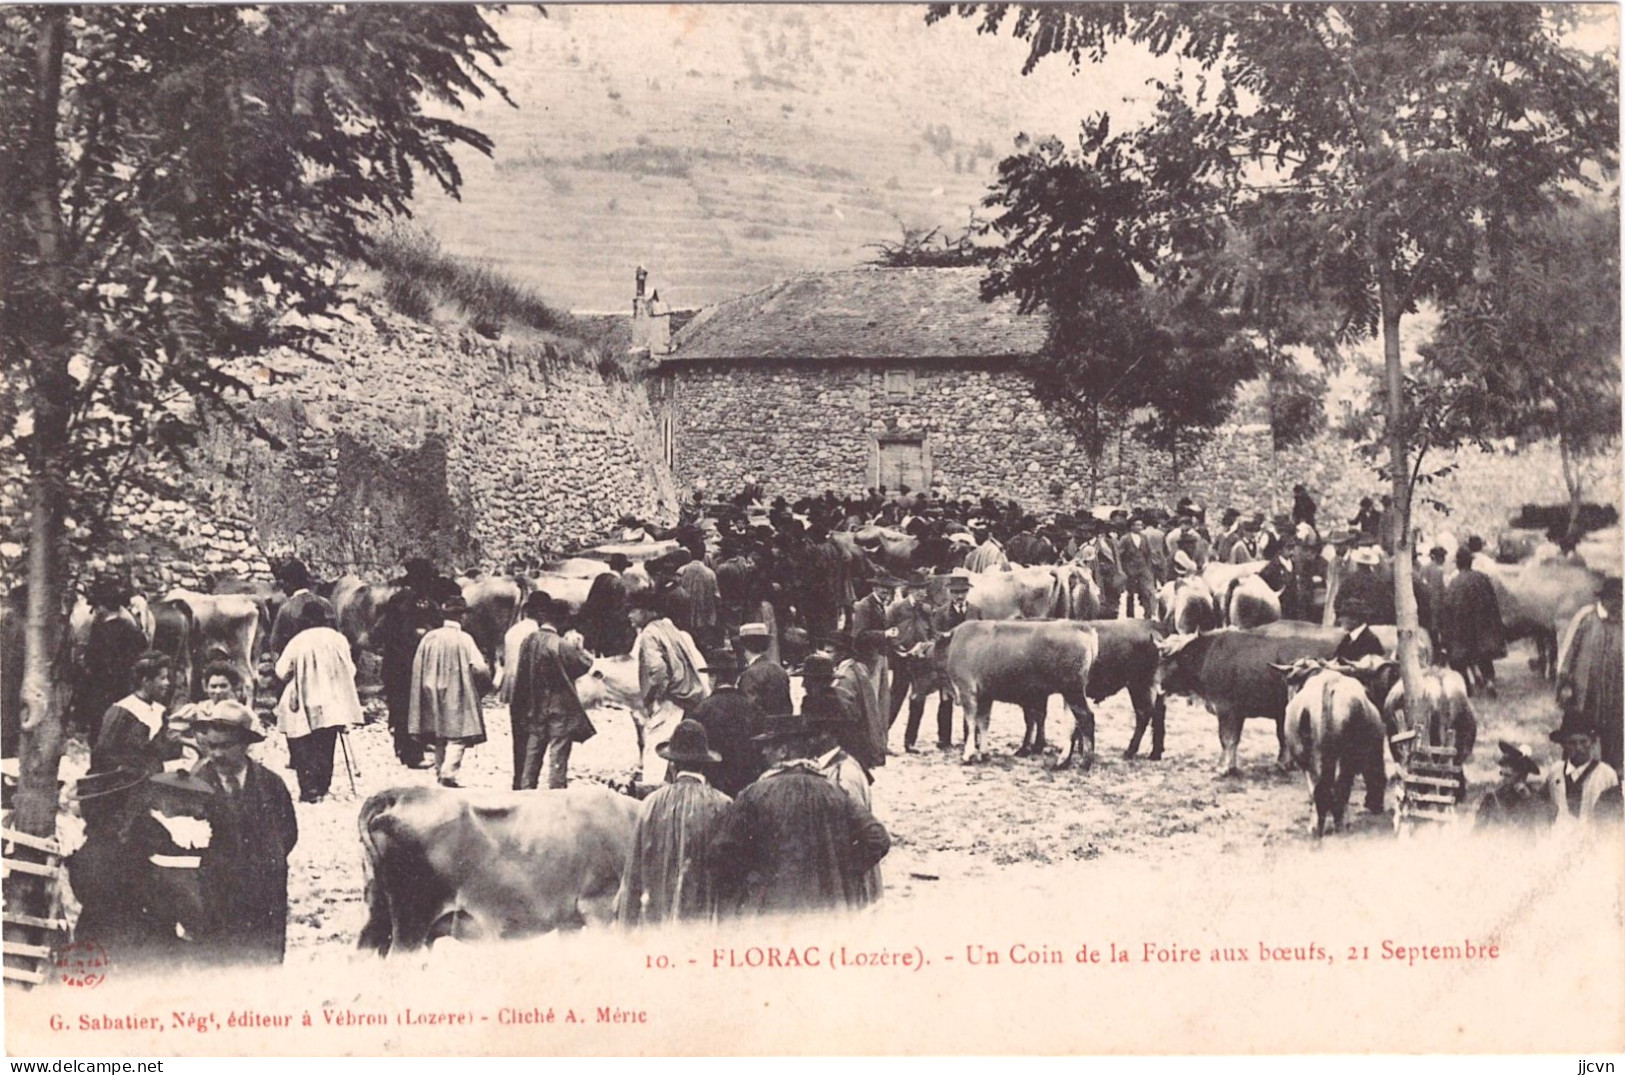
(811, 529)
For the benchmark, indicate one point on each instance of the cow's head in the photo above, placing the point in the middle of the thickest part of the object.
(1298, 672)
(1179, 663)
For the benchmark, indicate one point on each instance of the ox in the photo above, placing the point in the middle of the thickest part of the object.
(1229, 669)
(1448, 709)
(357, 605)
(227, 625)
(493, 606)
(1024, 663)
(1251, 603)
(1048, 592)
(443, 863)
(175, 635)
(1538, 599)
(568, 582)
(1186, 607)
(613, 682)
(1333, 732)
(1388, 635)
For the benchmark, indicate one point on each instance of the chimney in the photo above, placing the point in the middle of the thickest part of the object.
(651, 321)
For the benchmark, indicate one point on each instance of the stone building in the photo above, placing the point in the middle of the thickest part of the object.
(867, 377)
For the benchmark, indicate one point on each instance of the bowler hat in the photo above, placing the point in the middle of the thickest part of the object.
(229, 714)
(688, 744)
(1517, 758)
(1574, 723)
(538, 603)
(722, 660)
(783, 726)
(817, 667)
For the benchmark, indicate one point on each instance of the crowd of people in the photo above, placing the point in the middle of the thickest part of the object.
(756, 806)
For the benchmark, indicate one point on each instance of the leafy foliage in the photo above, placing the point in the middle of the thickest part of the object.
(212, 169)
(930, 248)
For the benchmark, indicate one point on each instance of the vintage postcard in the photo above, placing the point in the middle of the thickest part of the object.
(812, 529)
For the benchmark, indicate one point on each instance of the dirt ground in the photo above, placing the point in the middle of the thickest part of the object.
(951, 825)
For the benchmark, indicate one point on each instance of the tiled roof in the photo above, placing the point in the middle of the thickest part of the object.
(863, 314)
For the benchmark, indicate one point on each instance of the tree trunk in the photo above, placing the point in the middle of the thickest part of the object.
(1405, 611)
(41, 335)
(1574, 483)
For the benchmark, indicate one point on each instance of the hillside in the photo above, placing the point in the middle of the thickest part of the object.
(726, 146)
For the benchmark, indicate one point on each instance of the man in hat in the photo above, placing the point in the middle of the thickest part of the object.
(1365, 597)
(943, 623)
(1470, 625)
(912, 675)
(1514, 803)
(113, 642)
(763, 680)
(109, 871)
(829, 730)
(1430, 586)
(1589, 671)
(698, 584)
(792, 841)
(855, 686)
(1303, 507)
(988, 555)
(319, 700)
(670, 679)
(667, 877)
(1230, 532)
(605, 627)
(729, 719)
(546, 712)
(869, 614)
(407, 616)
(253, 829)
(512, 641)
(1134, 558)
(1579, 783)
(1368, 519)
(295, 580)
(448, 676)
(132, 734)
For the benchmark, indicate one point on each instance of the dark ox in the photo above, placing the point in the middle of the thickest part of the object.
(1024, 663)
(1230, 671)
(1127, 661)
(490, 864)
(1538, 599)
(1333, 732)
(493, 606)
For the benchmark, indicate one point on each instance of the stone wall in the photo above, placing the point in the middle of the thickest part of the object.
(801, 429)
(401, 439)
(407, 440)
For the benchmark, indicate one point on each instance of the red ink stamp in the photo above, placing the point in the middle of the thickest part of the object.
(82, 965)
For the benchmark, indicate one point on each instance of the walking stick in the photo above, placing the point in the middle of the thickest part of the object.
(349, 764)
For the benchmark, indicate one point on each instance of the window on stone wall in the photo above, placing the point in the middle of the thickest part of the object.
(899, 383)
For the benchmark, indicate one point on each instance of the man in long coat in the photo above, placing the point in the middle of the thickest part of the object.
(793, 841)
(112, 645)
(1471, 623)
(1589, 670)
(699, 586)
(548, 717)
(1135, 557)
(605, 626)
(670, 677)
(253, 829)
(448, 677)
(668, 874)
(869, 615)
(319, 701)
(730, 720)
(408, 615)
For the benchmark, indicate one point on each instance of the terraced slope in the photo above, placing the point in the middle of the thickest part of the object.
(727, 146)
